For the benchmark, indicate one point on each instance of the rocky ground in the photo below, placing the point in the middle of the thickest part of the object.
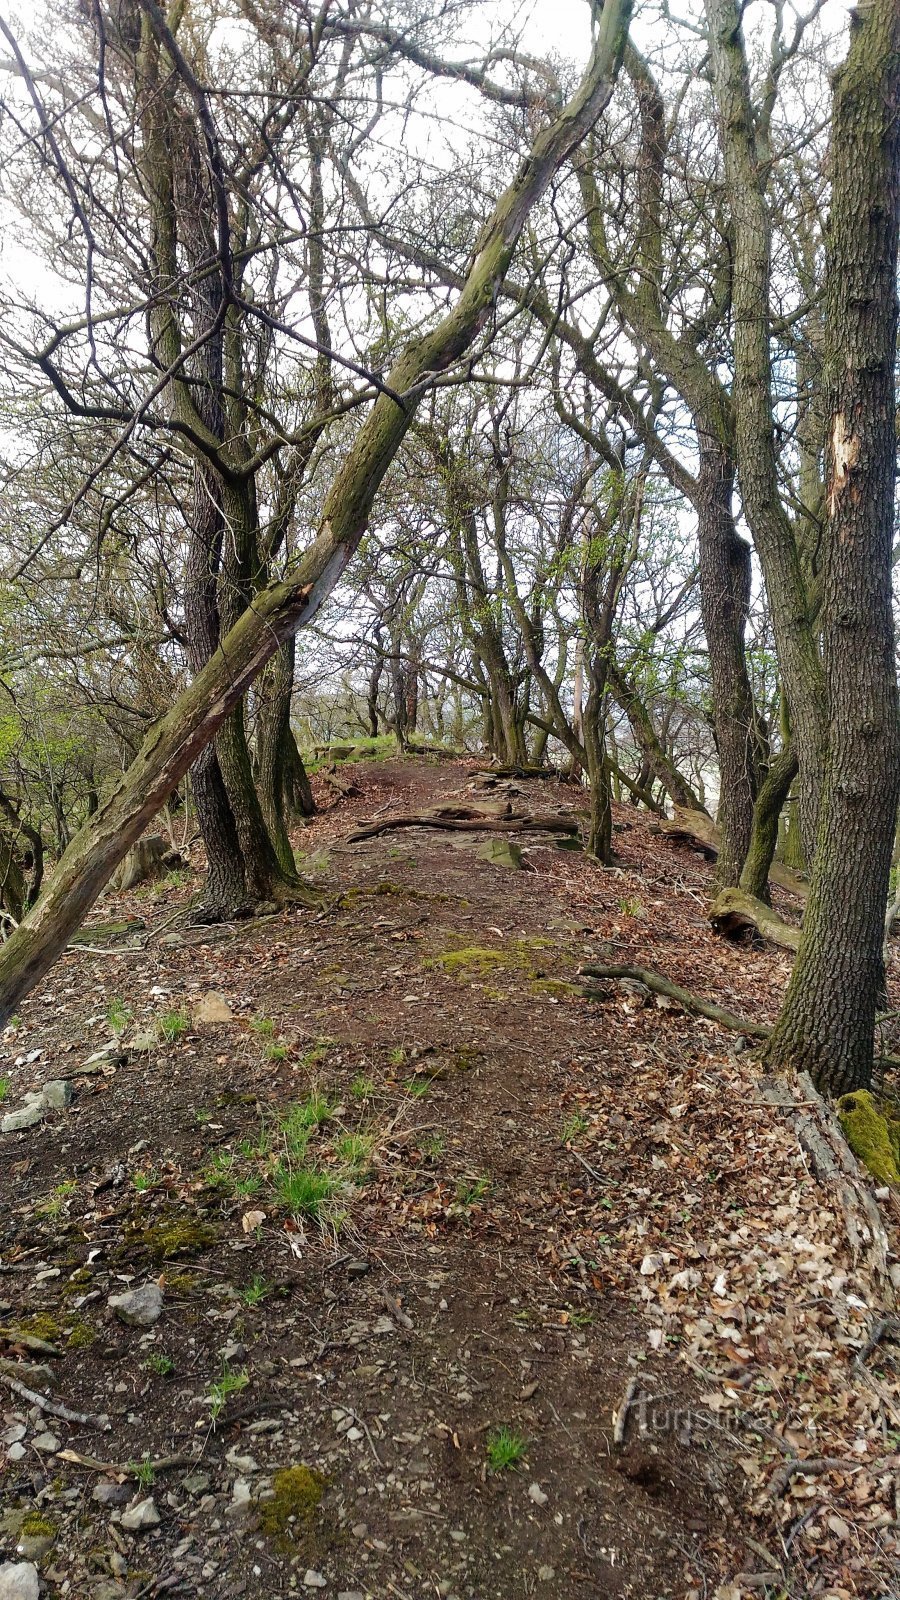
(355, 1251)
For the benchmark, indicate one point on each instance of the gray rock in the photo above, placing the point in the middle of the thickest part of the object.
(35, 1546)
(57, 1094)
(46, 1441)
(140, 1517)
(314, 1580)
(501, 853)
(19, 1581)
(196, 1483)
(140, 1308)
(27, 1116)
(16, 1452)
(107, 1493)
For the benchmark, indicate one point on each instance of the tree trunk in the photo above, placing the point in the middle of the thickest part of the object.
(724, 602)
(827, 1022)
(764, 834)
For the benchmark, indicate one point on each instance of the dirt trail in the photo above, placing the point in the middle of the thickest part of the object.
(521, 1157)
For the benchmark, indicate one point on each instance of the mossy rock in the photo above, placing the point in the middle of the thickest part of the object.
(873, 1137)
(35, 1525)
(293, 1516)
(173, 1235)
(81, 1336)
(557, 988)
(502, 853)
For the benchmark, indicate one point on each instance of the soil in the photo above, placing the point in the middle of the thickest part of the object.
(480, 1262)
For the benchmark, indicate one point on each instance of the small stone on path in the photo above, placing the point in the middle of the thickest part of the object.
(140, 1308)
(19, 1581)
(137, 1519)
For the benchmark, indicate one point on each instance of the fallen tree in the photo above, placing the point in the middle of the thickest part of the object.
(281, 608)
(698, 829)
(463, 820)
(735, 914)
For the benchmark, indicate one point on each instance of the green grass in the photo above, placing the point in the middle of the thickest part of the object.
(362, 1088)
(173, 1025)
(630, 906)
(397, 1056)
(4, 1089)
(276, 1051)
(203, 1116)
(300, 1121)
(256, 1291)
(219, 1172)
(354, 1150)
(227, 1384)
(54, 1205)
(143, 1181)
(417, 1087)
(161, 1364)
(505, 1449)
(433, 1147)
(118, 1016)
(471, 1191)
(573, 1127)
(308, 1192)
(264, 1026)
(144, 1473)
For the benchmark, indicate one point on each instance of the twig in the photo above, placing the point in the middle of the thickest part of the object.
(130, 1469)
(365, 1428)
(587, 1166)
(810, 1467)
(622, 1412)
(53, 1407)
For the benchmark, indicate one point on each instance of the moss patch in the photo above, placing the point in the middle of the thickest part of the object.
(873, 1137)
(36, 1526)
(293, 1516)
(557, 987)
(42, 1326)
(173, 1235)
(81, 1336)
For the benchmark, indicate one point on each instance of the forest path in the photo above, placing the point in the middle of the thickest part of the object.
(517, 1168)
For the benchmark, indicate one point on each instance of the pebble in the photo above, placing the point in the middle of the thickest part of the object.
(537, 1494)
(107, 1493)
(140, 1517)
(196, 1483)
(546, 1574)
(140, 1308)
(46, 1441)
(26, 1117)
(19, 1581)
(314, 1580)
(57, 1094)
(16, 1452)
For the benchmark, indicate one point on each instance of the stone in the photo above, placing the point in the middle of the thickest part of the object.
(46, 1441)
(35, 1546)
(212, 1007)
(108, 1493)
(139, 1308)
(57, 1094)
(16, 1452)
(537, 1494)
(546, 1574)
(27, 1115)
(501, 853)
(141, 1517)
(19, 1581)
(107, 1590)
(314, 1580)
(241, 1501)
(196, 1483)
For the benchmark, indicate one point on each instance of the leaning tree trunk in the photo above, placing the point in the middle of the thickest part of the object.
(282, 607)
(273, 728)
(827, 1021)
(766, 814)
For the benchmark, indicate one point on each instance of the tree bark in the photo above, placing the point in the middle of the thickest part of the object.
(826, 1025)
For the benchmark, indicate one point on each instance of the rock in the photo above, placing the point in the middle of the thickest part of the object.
(139, 1518)
(140, 1308)
(501, 853)
(35, 1546)
(196, 1483)
(537, 1494)
(57, 1094)
(546, 1574)
(27, 1116)
(106, 1590)
(46, 1441)
(241, 1501)
(149, 858)
(16, 1452)
(107, 1493)
(19, 1581)
(358, 1269)
(212, 1007)
(314, 1580)
(14, 1433)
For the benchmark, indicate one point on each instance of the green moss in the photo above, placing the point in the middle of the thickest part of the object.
(181, 1282)
(554, 986)
(292, 1517)
(872, 1137)
(42, 1326)
(173, 1235)
(81, 1336)
(474, 961)
(36, 1526)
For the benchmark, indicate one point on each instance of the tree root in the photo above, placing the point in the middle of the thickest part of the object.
(673, 991)
(698, 829)
(467, 820)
